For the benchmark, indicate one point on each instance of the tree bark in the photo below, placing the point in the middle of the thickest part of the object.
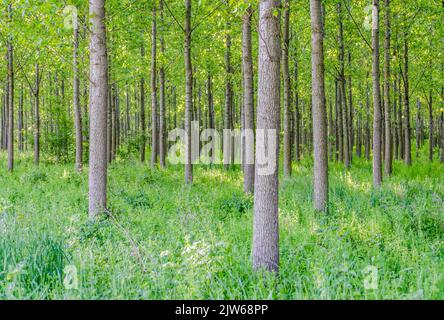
(297, 116)
(98, 109)
(162, 149)
(154, 133)
(287, 90)
(377, 168)
(343, 95)
(320, 194)
(188, 93)
(431, 127)
(407, 146)
(387, 115)
(266, 229)
(142, 114)
(37, 116)
(10, 101)
(20, 122)
(227, 138)
(77, 110)
(247, 61)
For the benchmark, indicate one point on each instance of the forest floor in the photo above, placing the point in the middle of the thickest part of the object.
(166, 240)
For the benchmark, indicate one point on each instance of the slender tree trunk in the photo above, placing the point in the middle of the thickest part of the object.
(227, 137)
(10, 101)
(20, 121)
(319, 111)
(162, 149)
(112, 126)
(4, 106)
(128, 115)
(377, 168)
(442, 126)
(359, 135)
(331, 130)
(387, 117)
(154, 133)
(418, 127)
(98, 109)
(77, 110)
(37, 116)
(400, 122)
(408, 154)
(287, 90)
(343, 95)
(297, 121)
(351, 141)
(247, 62)
(396, 122)
(188, 94)
(142, 114)
(431, 142)
(266, 229)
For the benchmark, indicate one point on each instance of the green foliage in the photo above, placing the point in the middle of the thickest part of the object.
(166, 240)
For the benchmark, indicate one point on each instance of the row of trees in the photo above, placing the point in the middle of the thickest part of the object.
(202, 68)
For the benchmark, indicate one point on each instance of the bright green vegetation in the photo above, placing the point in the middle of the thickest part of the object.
(171, 241)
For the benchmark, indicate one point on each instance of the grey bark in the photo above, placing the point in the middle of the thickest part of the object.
(154, 131)
(320, 195)
(76, 98)
(227, 140)
(287, 90)
(407, 143)
(265, 226)
(10, 101)
(387, 114)
(377, 168)
(20, 122)
(37, 116)
(188, 93)
(142, 114)
(343, 95)
(162, 149)
(247, 62)
(98, 109)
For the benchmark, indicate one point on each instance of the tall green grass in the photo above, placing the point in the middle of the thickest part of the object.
(166, 240)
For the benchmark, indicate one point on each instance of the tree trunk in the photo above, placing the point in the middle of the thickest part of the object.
(350, 119)
(37, 116)
(154, 133)
(400, 122)
(442, 126)
(188, 93)
(418, 127)
(343, 95)
(20, 122)
(162, 149)
(142, 114)
(77, 110)
(10, 101)
(98, 109)
(407, 150)
(387, 117)
(377, 168)
(248, 82)
(431, 142)
(331, 131)
(297, 116)
(227, 137)
(396, 123)
(320, 194)
(266, 228)
(287, 90)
